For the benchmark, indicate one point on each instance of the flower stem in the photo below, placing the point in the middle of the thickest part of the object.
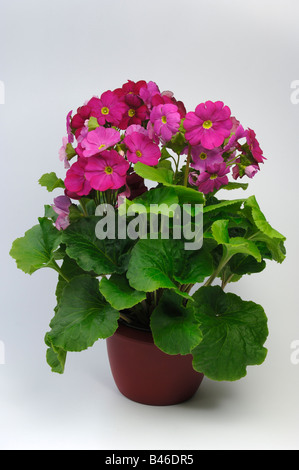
(55, 266)
(187, 166)
(225, 259)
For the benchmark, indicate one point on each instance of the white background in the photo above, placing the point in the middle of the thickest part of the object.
(55, 55)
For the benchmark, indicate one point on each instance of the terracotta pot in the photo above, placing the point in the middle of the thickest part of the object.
(143, 373)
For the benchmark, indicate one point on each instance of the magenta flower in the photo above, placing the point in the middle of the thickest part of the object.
(75, 181)
(166, 120)
(142, 149)
(254, 146)
(209, 125)
(107, 171)
(201, 157)
(98, 140)
(109, 108)
(61, 207)
(212, 178)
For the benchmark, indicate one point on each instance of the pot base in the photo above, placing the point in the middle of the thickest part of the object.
(144, 374)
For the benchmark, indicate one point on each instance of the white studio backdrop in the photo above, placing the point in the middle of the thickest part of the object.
(54, 56)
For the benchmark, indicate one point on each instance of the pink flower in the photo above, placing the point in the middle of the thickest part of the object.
(212, 178)
(254, 146)
(109, 108)
(98, 140)
(130, 92)
(167, 97)
(201, 157)
(62, 152)
(68, 127)
(209, 125)
(233, 143)
(75, 181)
(142, 149)
(148, 92)
(136, 128)
(166, 120)
(133, 116)
(107, 171)
(61, 207)
(249, 171)
(78, 120)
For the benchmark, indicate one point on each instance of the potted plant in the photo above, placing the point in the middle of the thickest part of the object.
(136, 162)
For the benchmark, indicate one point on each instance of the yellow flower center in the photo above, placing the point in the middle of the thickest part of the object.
(108, 170)
(213, 176)
(203, 156)
(105, 110)
(102, 146)
(138, 154)
(131, 112)
(164, 119)
(207, 124)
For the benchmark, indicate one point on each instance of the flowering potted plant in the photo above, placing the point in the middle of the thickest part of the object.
(137, 147)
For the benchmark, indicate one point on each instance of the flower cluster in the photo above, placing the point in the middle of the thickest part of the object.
(110, 133)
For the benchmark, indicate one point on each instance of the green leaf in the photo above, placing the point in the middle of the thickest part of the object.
(187, 195)
(93, 124)
(174, 328)
(220, 231)
(162, 197)
(274, 247)
(118, 292)
(92, 254)
(159, 175)
(51, 181)
(234, 332)
(165, 177)
(243, 264)
(233, 245)
(69, 269)
(36, 249)
(232, 185)
(56, 357)
(83, 316)
(224, 205)
(177, 143)
(163, 263)
(252, 209)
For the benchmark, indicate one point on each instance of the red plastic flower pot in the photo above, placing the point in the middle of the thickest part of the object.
(145, 374)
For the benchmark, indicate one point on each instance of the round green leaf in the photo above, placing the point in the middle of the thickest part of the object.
(83, 316)
(174, 328)
(234, 332)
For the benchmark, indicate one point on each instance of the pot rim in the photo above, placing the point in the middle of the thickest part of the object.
(134, 333)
